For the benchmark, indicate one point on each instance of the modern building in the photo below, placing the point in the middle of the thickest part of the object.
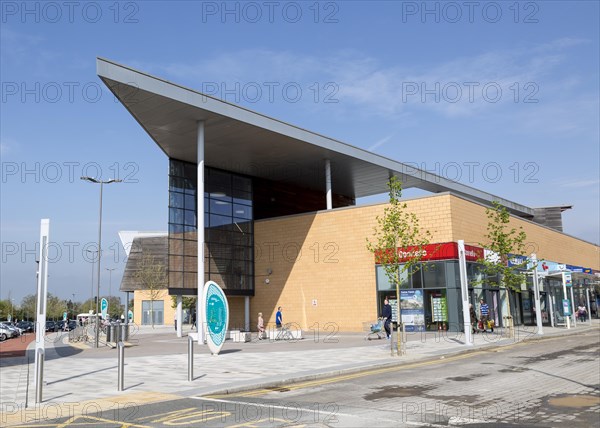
(280, 224)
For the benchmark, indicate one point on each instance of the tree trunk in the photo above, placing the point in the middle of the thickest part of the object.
(152, 312)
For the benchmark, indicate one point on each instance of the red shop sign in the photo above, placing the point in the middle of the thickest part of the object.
(430, 252)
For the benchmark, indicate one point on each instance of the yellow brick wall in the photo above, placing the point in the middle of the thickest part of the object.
(333, 266)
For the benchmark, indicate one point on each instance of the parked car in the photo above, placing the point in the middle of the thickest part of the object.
(5, 333)
(71, 324)
(51, 326)
(16, 331)
(25, 326)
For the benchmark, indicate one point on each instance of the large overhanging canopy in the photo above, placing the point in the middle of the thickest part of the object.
(246, 142)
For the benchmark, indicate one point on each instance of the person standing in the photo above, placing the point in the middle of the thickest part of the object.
(278, 318)
(386, 314)
(484, 312)
(175, 320)
(261, 326)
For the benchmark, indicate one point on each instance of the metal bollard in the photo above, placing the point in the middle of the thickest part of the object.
(190, 359)
(121, 368)
(39, 371)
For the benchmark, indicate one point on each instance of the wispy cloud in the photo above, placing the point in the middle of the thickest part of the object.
(380, 143)
(579, 184)
(465, 86)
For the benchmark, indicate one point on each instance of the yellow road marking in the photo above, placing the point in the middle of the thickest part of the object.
(39, 414)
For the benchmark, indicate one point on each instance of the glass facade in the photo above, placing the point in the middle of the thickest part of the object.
(228, 223)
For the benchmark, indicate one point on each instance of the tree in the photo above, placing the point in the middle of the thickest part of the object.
(188, 303)
(503, 241)
(5, 309)
(153, 277)
(398, 229)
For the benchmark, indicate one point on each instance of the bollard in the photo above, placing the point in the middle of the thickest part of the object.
(190, 359)
(121, 365)
(39, 371)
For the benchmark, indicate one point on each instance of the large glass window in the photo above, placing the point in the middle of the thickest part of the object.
(434, 275)
(229, 230)
(153, 312)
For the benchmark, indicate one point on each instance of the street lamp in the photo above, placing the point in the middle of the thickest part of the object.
(110, 270)
(96, 181)
(93, 260)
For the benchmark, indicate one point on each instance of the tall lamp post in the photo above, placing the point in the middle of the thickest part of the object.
(93, 261)
(101, 183)
(110, 271)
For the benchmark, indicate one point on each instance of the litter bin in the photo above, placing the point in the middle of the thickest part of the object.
(124, 330)
(113, 333)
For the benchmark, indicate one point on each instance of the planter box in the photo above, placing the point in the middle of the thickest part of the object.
(239, 336)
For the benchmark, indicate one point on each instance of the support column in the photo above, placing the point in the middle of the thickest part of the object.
(247, 313)
(328, 183)
(566, 297)
(573, 313)
(127, 307)
(536, 295)
(200, 229)
(179, 314)
(464, 289)
(589, 308)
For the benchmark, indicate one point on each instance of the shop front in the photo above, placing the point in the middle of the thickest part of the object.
(430, 294)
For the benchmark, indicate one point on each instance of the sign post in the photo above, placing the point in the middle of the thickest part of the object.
(536, 296)
(215, 311)
(464, 291)
(42, 294)
(104, 307)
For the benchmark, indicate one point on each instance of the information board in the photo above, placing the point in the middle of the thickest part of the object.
(439, 309)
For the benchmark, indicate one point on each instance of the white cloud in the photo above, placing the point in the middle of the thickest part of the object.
(465, 86)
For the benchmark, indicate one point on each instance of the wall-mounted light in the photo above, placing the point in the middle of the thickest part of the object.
(267, 280)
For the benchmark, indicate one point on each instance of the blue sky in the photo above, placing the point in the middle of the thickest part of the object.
(502, 96)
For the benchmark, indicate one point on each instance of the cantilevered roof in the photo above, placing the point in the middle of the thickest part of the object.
(246, 142)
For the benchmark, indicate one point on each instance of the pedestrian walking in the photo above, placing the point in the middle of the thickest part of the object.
(386, 314)
(261, 326)
(278, 318)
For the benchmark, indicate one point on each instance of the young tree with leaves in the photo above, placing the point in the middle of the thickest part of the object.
(153, 277)
(398, 229)
(503, 241)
